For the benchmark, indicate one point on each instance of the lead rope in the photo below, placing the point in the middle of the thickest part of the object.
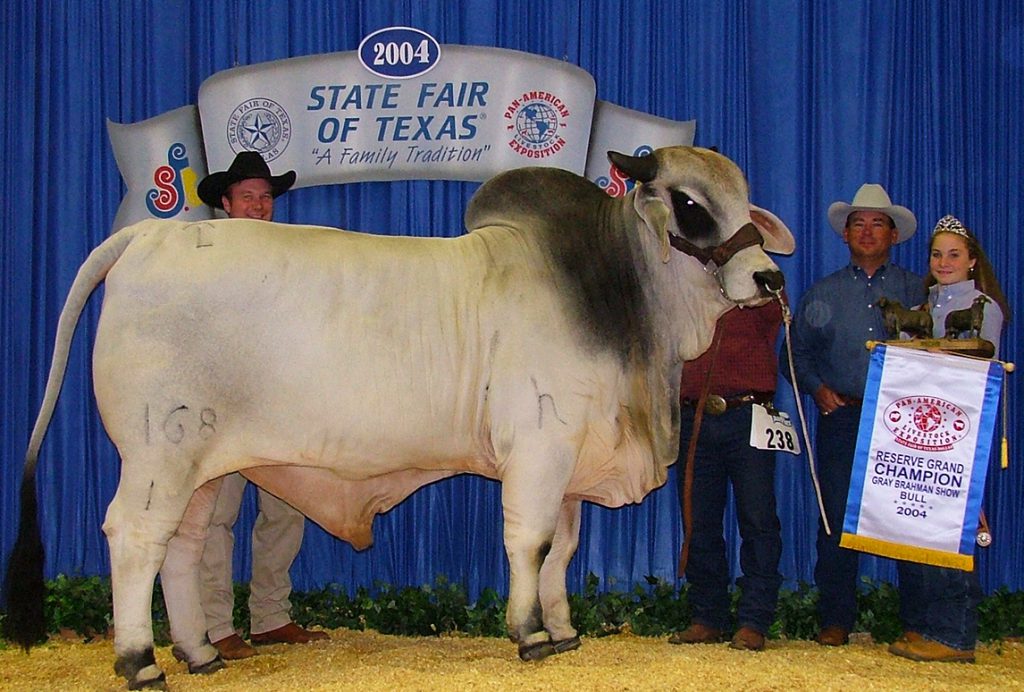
(787, 319)
(691, 451)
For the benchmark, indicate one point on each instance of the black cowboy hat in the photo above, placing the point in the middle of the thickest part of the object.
(248, 164)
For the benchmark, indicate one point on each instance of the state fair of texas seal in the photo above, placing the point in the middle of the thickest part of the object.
(259, 124)
(926, 422)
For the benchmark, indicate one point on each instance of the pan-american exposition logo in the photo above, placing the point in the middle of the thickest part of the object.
(535, 121)
(926, 422)
(262, 125)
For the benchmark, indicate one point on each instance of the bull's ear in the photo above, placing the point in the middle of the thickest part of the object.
(643, 169)
(777, 236)
(656, 215)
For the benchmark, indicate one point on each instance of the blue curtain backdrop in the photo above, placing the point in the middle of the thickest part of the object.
(810, 98)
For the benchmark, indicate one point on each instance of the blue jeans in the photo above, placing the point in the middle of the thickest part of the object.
(724, 455)
(941, 603)
(835, 571)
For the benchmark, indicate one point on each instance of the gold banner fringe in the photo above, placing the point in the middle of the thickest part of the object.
(900, 551)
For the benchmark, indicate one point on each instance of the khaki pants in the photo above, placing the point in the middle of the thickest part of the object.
(276, 539)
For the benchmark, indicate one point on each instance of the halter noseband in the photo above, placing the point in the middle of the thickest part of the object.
(747, 236)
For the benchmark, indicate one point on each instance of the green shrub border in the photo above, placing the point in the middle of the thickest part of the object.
(83, 605)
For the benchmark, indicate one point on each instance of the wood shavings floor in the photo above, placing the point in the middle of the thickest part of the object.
(368, 661)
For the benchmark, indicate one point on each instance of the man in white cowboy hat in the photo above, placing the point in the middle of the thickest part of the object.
(247, 190)
(834, 319)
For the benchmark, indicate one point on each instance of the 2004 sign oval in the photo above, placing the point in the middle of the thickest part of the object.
(399, 52)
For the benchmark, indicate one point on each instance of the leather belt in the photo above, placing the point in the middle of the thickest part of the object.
(716, 404)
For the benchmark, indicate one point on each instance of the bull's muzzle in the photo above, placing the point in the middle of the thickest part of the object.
(771, 280)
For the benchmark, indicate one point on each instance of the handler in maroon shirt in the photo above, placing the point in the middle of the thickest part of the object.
(743, 363)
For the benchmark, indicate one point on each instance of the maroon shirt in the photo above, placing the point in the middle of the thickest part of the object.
(746, 361)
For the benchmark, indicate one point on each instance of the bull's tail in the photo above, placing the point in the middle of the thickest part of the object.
(25, 623)
(23, 586)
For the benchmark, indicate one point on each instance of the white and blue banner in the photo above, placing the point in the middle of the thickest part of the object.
(162, 161)
(402, 107)
(477, 112)
(629, 132)
(923, 446)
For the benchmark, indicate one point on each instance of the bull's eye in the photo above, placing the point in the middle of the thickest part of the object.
(693, 219)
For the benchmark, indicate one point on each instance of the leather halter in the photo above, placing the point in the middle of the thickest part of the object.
(747, 236)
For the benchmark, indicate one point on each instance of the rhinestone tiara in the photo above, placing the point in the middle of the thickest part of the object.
(950, 224)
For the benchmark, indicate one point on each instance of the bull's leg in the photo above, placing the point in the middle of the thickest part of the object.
(138, 525)
(531, 499)
(553, 597)
(180, 579)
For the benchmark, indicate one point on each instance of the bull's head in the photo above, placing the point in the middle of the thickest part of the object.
(697, 201)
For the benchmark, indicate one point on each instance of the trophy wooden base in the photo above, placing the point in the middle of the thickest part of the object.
(979, 348)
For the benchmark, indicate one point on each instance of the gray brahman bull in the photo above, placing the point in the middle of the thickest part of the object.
(342, 371)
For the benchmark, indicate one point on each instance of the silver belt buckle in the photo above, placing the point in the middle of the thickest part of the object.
(715, 405)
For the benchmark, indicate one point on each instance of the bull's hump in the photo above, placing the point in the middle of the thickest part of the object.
(527, 196)
(587, 239)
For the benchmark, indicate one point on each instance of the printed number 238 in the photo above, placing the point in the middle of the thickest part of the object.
(777, 439)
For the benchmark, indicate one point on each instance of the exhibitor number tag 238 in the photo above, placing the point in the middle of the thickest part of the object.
(773, 430)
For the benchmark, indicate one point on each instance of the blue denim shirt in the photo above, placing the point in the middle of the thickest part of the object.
(834, 319)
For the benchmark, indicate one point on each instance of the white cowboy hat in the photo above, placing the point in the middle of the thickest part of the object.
(873, 197)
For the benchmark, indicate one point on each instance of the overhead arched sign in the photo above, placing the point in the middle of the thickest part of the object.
(402, 107)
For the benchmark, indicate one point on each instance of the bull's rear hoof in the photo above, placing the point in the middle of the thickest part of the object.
(536, 652)
(140, 670)
(211, 666)
(157, 683)
(563, 645)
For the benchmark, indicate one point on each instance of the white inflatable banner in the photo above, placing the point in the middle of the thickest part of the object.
(629, 132)
(402, 107)
(922, 456)
(161, 161)
(478, 112)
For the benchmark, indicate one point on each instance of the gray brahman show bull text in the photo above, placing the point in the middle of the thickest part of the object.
(543, 349)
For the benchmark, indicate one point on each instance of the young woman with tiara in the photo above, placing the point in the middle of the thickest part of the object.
(939, 605)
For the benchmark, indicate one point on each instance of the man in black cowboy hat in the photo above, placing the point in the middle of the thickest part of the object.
(247, 190)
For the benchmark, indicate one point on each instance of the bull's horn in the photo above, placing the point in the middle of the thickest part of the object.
(640, 168)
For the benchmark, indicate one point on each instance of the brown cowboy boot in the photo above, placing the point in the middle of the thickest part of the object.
(697, 633)
(747, 639)
(926, 649)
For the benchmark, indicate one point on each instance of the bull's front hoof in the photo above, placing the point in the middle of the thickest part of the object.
(563, 645)
(536, 652)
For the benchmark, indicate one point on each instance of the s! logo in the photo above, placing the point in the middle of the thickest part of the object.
(168, 197)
